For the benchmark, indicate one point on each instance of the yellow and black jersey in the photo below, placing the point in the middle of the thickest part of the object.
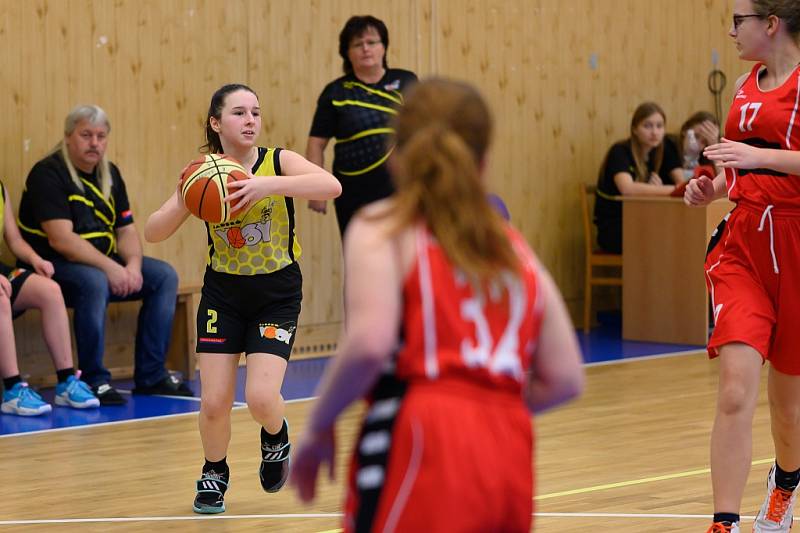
(51, 194)
(358, 114)
(262, 240)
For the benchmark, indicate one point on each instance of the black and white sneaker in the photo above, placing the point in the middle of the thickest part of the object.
(171, 385)
(108, 395)
(274, 460)
(210, 498)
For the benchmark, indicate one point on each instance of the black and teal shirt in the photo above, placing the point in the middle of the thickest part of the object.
(357, 115)
(51, 194)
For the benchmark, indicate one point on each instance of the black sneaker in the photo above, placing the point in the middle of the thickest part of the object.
(210, 497)
(274, 460)
(171, 385)
(108, 395)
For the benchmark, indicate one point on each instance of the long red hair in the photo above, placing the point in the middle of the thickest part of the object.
(443, 131)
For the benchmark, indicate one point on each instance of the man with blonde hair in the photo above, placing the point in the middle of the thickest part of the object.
(74, 212)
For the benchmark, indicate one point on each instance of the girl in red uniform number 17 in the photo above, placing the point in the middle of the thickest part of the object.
(453, 329)
(753, 268)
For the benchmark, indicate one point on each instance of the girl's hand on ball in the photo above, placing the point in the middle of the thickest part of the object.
(249, 191)
(179, 185)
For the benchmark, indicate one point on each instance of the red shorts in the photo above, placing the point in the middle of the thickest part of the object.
(752, 303)
(458, 461)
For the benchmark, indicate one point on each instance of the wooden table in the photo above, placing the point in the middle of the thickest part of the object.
(664, 297)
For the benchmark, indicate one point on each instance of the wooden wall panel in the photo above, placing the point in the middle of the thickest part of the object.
(293, 54)
(562, 77)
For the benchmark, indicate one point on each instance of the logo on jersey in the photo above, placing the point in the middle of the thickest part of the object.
(17, 272)
(279, 332)
(740, 95)
(212, 340)
(394, 86)
(238, 236)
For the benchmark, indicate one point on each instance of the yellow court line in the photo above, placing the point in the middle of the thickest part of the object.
(637, 481)
(331, 531)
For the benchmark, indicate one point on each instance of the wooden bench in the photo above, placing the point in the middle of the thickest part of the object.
(181, 355)
(315, 340)
(36, 364)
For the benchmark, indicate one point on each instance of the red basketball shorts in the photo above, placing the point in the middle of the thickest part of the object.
(457, 461)
(753, 278)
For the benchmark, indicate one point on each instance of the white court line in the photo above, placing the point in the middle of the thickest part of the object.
(165, 518)
(322, 515)
(237, 405)
(296, 400)
(629, 515)
(645, 357)
(184, 398)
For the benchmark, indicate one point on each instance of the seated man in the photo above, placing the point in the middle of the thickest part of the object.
(74, 212)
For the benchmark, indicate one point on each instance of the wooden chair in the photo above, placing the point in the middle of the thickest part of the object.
(594, 258)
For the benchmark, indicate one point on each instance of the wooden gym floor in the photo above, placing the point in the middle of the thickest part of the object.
(631, 455)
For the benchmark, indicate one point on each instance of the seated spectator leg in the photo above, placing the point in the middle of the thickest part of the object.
(159, 290)
(87, 292)
(8, 350)
(39, 292)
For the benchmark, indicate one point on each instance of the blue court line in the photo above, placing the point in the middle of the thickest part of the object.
(602, 345)
(301, 379)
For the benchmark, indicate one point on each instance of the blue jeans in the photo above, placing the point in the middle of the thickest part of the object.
(87, 292)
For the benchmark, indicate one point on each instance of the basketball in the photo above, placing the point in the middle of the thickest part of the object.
(204, 184)
(235, 237)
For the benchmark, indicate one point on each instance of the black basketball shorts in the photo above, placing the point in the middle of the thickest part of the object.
(17, 277)
(250, 314)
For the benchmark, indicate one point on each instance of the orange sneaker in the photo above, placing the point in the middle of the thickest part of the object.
(776, 514)
(723, 527)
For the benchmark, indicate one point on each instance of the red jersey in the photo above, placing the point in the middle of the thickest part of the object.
(453, 329)
(765, 119)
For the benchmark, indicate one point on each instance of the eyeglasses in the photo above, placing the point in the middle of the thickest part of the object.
(738, 19)
(367, 43)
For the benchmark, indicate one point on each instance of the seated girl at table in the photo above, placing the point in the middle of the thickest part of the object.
(644, 164)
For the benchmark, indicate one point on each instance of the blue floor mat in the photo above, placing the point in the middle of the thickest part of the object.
(602, 344)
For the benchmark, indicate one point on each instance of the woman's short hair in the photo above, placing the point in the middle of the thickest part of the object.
(355, 27)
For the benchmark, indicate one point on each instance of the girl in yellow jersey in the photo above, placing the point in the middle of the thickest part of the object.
(251, 290)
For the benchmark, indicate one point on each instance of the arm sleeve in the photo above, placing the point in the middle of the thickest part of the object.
(324, 122)
(409, 79)
(671, 159)
(619, 160)
(121, 203)
(48, 194)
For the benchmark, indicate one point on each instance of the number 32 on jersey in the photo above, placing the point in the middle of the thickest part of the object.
(503, 357)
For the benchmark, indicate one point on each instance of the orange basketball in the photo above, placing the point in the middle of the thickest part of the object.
(204, 184)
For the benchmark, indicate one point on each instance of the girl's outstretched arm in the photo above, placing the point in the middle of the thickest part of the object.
(300, 179)
(166, 220)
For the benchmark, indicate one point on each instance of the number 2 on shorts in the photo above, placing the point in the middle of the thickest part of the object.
(212, 319)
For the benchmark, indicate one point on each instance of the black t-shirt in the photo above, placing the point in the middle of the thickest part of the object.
(608, 212)
(357, 114)
(51, 194)
(620, 159)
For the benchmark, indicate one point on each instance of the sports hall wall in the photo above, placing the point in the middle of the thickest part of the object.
(562, 76)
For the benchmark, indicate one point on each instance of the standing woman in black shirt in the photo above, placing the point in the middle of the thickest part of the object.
(356, 109)
(645, 164)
